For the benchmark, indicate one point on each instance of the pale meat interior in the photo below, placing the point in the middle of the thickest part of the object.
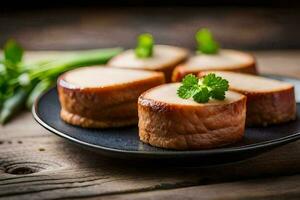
(225, 58)
(168, 94)
(163, 55)
(253, 83)
(92, 77)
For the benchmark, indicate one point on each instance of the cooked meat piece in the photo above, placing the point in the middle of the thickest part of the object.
(225, 60)
(167, 121)
(165, 58)
(268, 101)
(100, 97)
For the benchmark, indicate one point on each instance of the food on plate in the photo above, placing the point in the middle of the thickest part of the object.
(210, 86)
(147, 56)
(210, 57)
(171, 116)
(268, 101)
(101, 97)
(227, 60)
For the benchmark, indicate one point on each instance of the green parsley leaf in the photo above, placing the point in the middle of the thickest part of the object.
(13, 52)
(201, 90)
(188, 87)
(202, 96)
(206, 42)
(144, 48)
(186, 92)
(217, 84)
(190, 80)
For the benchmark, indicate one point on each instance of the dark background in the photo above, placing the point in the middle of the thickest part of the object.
(251, 25)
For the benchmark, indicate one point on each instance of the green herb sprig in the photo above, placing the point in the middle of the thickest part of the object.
(201, 90)
(144, 48)
(205, 42)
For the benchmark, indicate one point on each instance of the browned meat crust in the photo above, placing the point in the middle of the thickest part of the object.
(190, 127)
(109, 106)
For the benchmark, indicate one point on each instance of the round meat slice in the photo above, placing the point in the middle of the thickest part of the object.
(268, 101)
(101, 97)
(225, 60)
(164, 59)
(167, 121)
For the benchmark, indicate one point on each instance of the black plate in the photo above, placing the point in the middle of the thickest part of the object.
(124, 142)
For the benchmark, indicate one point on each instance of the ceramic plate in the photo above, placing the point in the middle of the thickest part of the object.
(124, 143)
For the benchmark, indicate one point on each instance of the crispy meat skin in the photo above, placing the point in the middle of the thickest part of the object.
(270, 108)
(110, 106)
(78, 120)
(267, 107)
(190, 127)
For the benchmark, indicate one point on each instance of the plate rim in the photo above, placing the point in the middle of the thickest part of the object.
(255, 146)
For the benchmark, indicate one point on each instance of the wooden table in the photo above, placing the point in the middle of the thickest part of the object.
(100, 26)
(35, 164)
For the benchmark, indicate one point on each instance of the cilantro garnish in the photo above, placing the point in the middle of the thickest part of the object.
(201, 90)
(206, 42)
(144, 47)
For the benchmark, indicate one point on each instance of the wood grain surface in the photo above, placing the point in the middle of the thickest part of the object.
(35, 164)
(262, 189)
(99, 26)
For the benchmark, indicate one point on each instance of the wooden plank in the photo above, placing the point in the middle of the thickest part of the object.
(35, 163)
(63, 170)
(246, 28)
(287, 188)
